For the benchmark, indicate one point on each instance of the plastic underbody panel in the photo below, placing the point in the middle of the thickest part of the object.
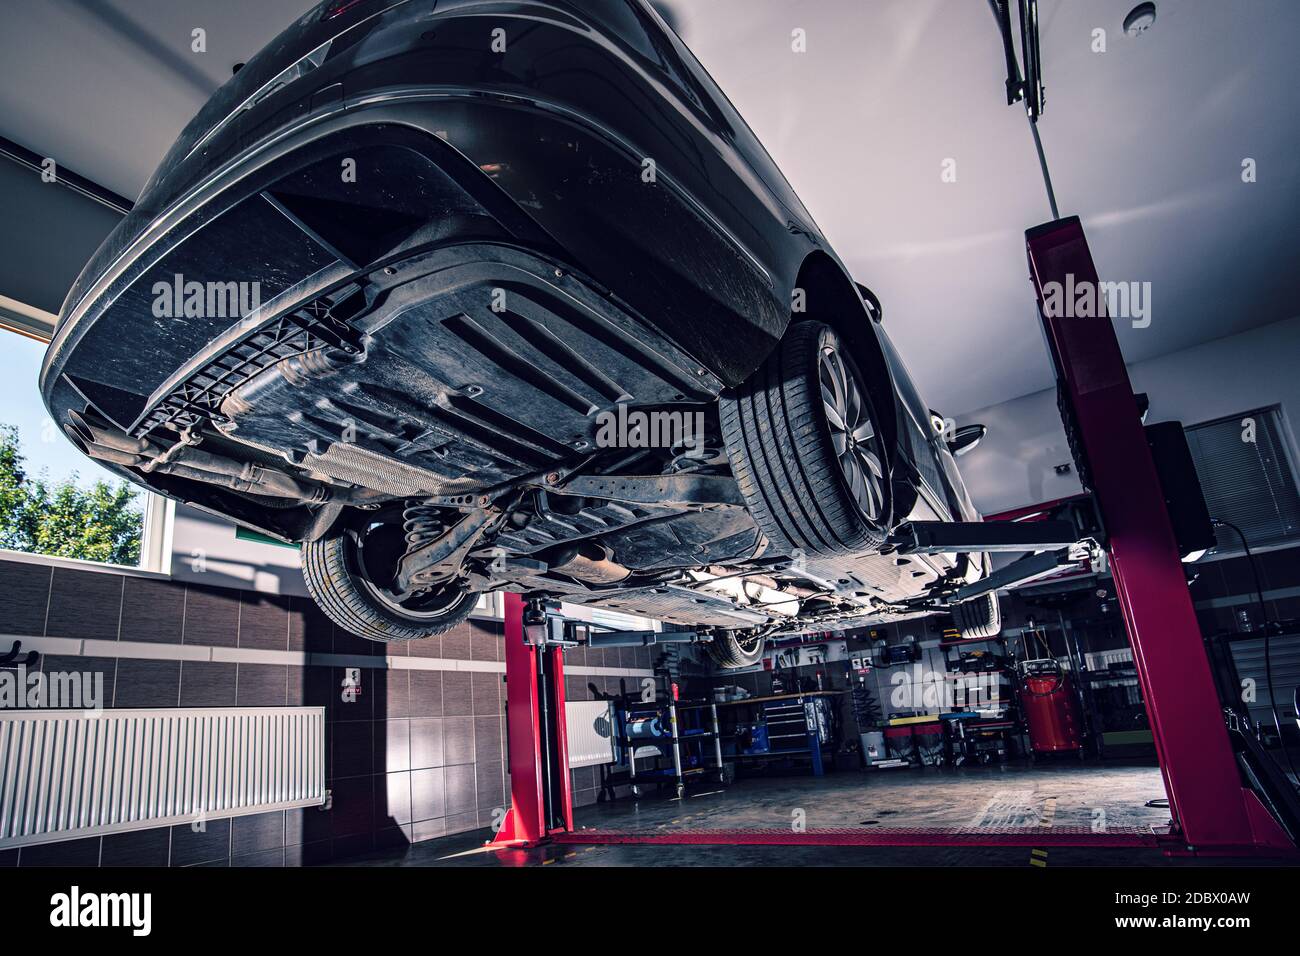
(464, 394)
(452, 396)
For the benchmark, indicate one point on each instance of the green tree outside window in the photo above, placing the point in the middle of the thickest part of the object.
(101, 523)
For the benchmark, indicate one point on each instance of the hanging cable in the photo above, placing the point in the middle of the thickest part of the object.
(1268, 657)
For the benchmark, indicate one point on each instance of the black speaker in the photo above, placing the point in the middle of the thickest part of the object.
(1184, 499)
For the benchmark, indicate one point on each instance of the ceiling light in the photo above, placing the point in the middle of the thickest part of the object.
(1140, 19)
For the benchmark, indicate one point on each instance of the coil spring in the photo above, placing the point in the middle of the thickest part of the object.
(421, 523)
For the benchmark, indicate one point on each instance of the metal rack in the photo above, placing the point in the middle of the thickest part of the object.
(670, 741)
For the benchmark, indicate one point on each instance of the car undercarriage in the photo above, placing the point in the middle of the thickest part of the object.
(552, 446)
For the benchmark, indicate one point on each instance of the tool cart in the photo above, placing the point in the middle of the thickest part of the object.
(684, 735)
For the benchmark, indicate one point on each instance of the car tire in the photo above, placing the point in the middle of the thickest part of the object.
(335, 581)
(733, 649)
(980, 617)
(794, 463)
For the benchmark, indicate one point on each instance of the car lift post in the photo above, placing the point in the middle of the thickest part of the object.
(1212, 811)
(541, 802)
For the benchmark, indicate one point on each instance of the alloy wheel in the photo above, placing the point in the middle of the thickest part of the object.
(853, 434)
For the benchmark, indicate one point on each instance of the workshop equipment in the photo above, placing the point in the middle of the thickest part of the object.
(786, 727)
(1050, 707)
(537, 744)
(920, 737)
(640, 728)
(891, 655)
(686, 732)
(973, 736)
(873, 747)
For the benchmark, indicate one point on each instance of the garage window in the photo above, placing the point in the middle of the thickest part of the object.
(1247, 476)
(53, 500)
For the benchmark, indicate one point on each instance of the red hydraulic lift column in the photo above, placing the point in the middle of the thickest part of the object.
(536, 736)
(1211, 808)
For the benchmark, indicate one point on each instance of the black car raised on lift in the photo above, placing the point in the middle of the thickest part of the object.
(388, 288)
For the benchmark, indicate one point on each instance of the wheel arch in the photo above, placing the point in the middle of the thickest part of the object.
(831, 296)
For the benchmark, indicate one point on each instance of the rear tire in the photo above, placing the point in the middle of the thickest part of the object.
(730, 650)
(332, 570)
(980, 617)
(806, 448)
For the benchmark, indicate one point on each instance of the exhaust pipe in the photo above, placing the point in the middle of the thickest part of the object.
(101, 452)
(256, 481)
(245, 476)
(104, 434)
(100, 440)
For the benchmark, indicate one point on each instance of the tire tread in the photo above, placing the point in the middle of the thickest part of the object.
(781, 457)
(980, 617)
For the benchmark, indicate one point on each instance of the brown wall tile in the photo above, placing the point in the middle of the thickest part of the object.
(207, 684)
(152, 611)
(143, 683)
(85, 604)
(211, 616)
(263, 621)
(26, 594)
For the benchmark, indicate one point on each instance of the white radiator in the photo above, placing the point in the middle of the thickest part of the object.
(590, 726)
(74, 773)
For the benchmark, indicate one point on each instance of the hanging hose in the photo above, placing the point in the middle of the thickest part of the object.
(1042, 164)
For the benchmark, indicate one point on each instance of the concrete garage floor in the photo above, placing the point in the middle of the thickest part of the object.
(966, 798)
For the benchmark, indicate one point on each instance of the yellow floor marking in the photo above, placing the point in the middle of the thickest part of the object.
(1038, 857)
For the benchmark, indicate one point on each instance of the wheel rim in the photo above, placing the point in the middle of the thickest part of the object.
(853, 433)
(374, 560)
(419, 606)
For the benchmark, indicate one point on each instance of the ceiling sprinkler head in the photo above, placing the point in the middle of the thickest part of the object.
(1140, 19)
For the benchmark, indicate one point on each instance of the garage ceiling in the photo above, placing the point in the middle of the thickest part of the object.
(1145, 143)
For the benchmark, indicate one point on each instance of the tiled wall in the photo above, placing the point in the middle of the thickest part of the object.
(419, 755)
